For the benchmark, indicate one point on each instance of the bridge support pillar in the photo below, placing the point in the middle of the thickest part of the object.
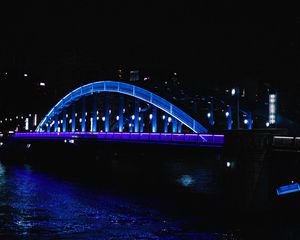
(142, 123)
(154, 119)
(94, 125)
(229, 118)
(179, 127)
(64, 127)
(106, 123)
(211, 112)
(73, 116)
(121, 107)
(249, 117)
(83, 114)
(174, 125)
(136, 114)
(166, 124)
(56, 123)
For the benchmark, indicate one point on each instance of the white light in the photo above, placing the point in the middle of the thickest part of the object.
(117, 117)
(5, 119)
(129, 124)
(10, 119)
(25, 75)
(132, 117)
(169, 119)
(17, 117)
(150, 116)
(1, 143)
(103, 119)
(75, 114)
(0, 121)
(109, 111)
(209, 115)
(70, 121)
(123, 110)
(42, 84)
(267, 124)
(228, 164)
(85, 113)
(61, 121)
(71, 141)
(232, 91)
(140, 118)
(227, 114)
(65, 140)
(245, 121)
(97, 118)
(163, 117)
(80, 120)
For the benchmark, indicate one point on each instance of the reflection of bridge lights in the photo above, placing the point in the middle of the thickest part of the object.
(169, 119)
(186, 180)
(227, 114)
(209, 115)
(150, 116)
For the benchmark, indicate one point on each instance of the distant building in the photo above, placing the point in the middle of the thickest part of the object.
(134, 76)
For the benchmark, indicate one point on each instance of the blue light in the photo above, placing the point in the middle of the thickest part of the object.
(186, 180)
(286, 189)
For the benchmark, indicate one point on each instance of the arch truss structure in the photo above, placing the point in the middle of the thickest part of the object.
(174, 116)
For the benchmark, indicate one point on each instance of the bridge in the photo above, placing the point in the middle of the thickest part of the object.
(128, 115)
(143, 117)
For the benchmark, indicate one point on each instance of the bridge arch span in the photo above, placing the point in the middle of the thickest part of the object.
(126, 89)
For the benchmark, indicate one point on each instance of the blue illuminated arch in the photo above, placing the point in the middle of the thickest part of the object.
(127, 89)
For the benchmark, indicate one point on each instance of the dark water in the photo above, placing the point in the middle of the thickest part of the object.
(35, 205)
(41, 205)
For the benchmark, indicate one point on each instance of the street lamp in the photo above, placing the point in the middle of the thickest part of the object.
(236, 92)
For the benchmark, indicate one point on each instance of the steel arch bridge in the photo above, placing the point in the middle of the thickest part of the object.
(137, 93)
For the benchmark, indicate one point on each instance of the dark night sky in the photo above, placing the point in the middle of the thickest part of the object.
(204, 41)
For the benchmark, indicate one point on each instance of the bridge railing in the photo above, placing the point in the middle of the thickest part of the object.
(202, 139)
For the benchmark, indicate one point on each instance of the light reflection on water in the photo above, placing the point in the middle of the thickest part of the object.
(38, 206)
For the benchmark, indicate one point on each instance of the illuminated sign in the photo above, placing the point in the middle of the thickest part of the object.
(272, 108)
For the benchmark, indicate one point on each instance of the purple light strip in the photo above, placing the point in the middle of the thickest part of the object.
(199, 139)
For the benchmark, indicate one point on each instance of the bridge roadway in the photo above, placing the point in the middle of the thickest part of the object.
(203, 140)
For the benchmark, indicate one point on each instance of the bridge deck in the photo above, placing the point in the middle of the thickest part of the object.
(210, 140)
